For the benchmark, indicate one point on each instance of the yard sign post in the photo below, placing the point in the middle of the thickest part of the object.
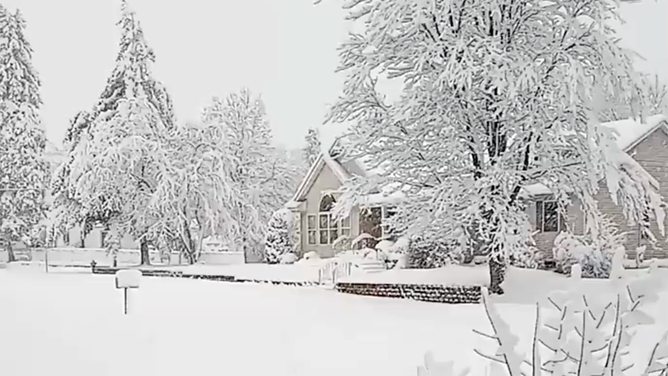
(127, 279)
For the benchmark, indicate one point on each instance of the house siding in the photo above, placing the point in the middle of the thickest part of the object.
(652, 155)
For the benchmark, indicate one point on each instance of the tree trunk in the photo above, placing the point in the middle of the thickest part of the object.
(497, 261)
(143, 250)
(10, 252)
(497, 274)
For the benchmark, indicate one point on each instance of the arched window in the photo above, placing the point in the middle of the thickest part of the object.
(323, 229)
(327, 203)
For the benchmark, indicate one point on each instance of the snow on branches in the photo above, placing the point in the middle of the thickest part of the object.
(496, 95)
(260, 176)
(583, 334)
(24, 173)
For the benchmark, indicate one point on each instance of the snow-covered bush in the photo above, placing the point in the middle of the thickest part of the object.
(288, 258)
(278, 240)
(342, 243)
(429, 254)
(574, 334)
(594, 252)
(531, 258)
(581, 334)
(311, 256)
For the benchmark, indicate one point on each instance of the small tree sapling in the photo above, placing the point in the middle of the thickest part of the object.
(582, 334)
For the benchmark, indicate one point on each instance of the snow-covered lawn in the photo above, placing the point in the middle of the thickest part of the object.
(72, 324)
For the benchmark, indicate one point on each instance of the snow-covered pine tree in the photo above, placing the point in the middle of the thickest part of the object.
(256, 176)
(24, 173)
(131, 78)
(497, 95)
(312, 147)
(278, 240)
(116, 153)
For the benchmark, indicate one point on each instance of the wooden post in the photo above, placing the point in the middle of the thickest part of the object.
(125, 299)
(46, 258)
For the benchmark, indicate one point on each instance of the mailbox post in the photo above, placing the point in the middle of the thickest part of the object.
(127, 279)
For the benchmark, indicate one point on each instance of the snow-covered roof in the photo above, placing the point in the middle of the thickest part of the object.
(629, 133)
(325, 158)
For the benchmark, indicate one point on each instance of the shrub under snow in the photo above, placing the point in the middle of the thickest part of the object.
(278, 241)
(574, 334)
(594, 252)
(288, 258)
(429, 254)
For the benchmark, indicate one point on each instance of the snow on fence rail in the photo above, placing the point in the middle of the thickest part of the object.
(334, 270)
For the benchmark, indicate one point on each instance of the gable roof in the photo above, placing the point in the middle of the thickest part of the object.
(334, 163)
(632, 132)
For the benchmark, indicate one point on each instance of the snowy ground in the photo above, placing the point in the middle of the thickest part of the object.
(72, 324)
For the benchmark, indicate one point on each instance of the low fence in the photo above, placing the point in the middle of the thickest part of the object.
(334, 270)
(425, 293)
(84, 256)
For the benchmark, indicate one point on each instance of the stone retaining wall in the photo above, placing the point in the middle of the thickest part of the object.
(425, 293)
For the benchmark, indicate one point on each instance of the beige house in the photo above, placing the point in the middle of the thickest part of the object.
(646, 143)
(312, 204)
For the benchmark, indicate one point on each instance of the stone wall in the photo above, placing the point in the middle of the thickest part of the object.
(425, 293)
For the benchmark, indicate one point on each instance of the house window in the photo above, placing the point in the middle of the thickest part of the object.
(312, 229)
(323, 228)
(548, 218)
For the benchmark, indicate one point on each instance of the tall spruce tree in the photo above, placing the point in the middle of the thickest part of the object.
(23, 170)
(131, 82)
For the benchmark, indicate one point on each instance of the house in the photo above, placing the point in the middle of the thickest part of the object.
(647, 144)
(317, 229)
(316, 226)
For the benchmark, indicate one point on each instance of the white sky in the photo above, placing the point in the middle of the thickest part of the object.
(284, 50)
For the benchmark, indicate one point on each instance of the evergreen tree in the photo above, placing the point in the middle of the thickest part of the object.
(312, 148)
(278, 241)
(23, 170)
(131, 98)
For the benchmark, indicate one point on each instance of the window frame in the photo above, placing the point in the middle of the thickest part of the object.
(540, 219)
(337, 227)
(312, 230)
(315, 230)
